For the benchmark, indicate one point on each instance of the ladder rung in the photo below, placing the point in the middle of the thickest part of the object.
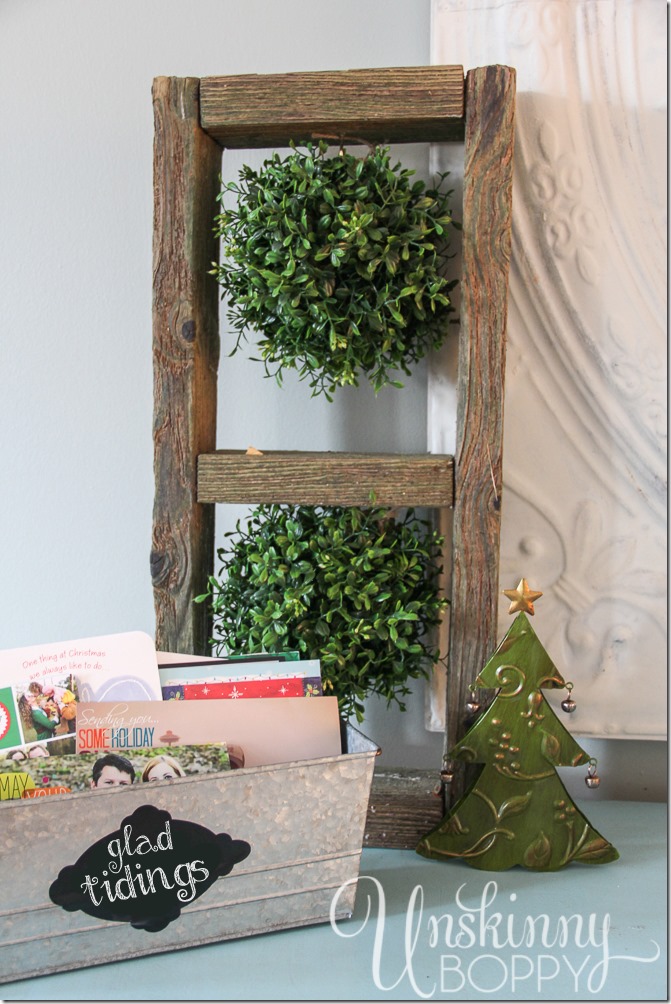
(399, 104)
(294, 478)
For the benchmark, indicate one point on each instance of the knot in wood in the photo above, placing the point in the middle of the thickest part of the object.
(159, 563)
(189, 331)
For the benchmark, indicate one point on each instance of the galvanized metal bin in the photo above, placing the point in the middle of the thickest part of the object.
(303, 820)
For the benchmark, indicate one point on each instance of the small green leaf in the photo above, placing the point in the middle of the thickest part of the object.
(550, 748)
(538, 853)
(597, 849)
(513, 805)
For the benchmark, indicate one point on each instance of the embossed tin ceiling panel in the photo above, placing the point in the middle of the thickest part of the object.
(584, 507)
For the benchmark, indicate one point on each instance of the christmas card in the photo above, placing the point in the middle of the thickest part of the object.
(182, 659)
(239, 678)
(274, 730)
(40, 685)
(30, 776)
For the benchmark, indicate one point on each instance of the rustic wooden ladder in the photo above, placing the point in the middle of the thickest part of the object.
(194, 120)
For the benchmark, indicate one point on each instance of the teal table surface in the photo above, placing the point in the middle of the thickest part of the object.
(426, 930)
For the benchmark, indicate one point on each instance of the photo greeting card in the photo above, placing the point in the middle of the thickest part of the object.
(41, 685)
(275, 730)
(23, 775)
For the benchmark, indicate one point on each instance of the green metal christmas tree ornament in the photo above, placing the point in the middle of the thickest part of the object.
(517, 811)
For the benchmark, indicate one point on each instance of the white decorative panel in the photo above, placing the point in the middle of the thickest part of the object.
(584, 508)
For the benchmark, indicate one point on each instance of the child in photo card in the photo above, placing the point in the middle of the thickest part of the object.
(41, 685)
(39, 712)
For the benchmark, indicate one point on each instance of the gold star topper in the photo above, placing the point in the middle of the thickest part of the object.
(522, 598)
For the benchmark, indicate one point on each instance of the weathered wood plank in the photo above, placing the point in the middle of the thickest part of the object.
(326, 478)
(186, 342)
(404, 805)
(397, 104)
(487, 208)
(187, 163)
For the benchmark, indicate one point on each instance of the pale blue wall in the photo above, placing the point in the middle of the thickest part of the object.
(75, 278)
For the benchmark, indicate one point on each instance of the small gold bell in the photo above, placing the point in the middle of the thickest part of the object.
(592, 780)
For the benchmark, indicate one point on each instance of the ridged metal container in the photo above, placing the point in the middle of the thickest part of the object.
(304, 822)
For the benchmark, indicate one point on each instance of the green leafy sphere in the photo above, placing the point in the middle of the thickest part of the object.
(338, 262)
(355, 588)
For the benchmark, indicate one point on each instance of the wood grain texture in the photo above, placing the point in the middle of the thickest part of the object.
(326, 478)
(403, 805)
(487, 209)
(397, 104)
(187, 163)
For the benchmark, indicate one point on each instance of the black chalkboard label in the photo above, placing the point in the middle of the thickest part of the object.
(148, 870)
